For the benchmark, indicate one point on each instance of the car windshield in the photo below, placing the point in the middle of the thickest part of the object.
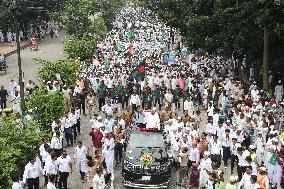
(146, 139)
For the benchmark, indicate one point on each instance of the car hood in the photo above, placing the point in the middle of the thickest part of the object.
(133, 155)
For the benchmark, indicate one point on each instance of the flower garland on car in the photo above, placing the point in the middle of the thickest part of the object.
(147, 158)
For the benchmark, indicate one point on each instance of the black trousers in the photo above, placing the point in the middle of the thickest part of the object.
(102, 102)
(45, 176)
(69, 136)
(33, 183)
(83, 107)
(226, 155)
(63, 180)
(82, 175)
(118, 152)
(234, 158)
(217, 157)
(241, 170)
(3, 103)
(124, 102)
(159, 103)
(78, 126)
(74, 128)
(134, 108)
(177, 104)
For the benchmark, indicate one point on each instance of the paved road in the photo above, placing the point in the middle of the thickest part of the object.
(53, 50)
(48, 49)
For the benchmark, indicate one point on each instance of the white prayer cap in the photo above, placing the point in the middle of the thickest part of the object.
(49, 82)
(252, 147)
(263, 169)
(154, 109)
(178, 117)
(99, 117)
(239, 129)
(233, 178)
(279, 81)
(275, 140)
(206, 153)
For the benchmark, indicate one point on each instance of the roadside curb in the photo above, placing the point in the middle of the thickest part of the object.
(15, 51)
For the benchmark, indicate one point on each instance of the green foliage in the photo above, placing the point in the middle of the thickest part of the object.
(24, 14)
(230, 25)
(17, 144)
(83, 47)
(49, 105)
(67, 68)
(99, 27)
(109, 10)
(75, 17)
(80, 17)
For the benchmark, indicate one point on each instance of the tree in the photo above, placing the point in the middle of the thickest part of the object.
(17, 144)
(83, 47)
(47, 105)
(234, 26)
(66, 68)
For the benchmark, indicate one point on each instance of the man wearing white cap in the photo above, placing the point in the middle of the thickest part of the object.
(152, 119)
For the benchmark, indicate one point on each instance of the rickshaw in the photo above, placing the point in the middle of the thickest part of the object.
(3, 66)
(33, 44)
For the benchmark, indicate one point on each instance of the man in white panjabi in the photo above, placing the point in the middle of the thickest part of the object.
(80, 159)
(108, 152)
(152, 119)
(278, 91)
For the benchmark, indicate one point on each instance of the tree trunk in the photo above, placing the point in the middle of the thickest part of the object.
(265, 64)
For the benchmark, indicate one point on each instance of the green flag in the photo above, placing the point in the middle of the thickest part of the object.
(106, 64)
(131, 36)
(273, 159)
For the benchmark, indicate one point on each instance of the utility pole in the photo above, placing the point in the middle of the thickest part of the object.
(21, 83)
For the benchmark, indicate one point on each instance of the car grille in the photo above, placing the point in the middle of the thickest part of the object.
(146, 170)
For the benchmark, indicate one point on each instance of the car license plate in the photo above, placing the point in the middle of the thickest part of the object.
(146, 177)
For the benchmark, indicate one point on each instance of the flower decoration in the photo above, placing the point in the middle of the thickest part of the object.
(147, 159)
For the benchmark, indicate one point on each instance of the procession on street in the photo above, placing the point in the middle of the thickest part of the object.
(158, 115)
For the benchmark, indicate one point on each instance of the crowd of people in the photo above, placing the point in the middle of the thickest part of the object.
(38, 30)
(143, 73)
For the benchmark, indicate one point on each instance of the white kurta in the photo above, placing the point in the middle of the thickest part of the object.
(81, 160)
(152, 121)
(278, 92)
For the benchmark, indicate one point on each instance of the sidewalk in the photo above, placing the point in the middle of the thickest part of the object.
(7, 49)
